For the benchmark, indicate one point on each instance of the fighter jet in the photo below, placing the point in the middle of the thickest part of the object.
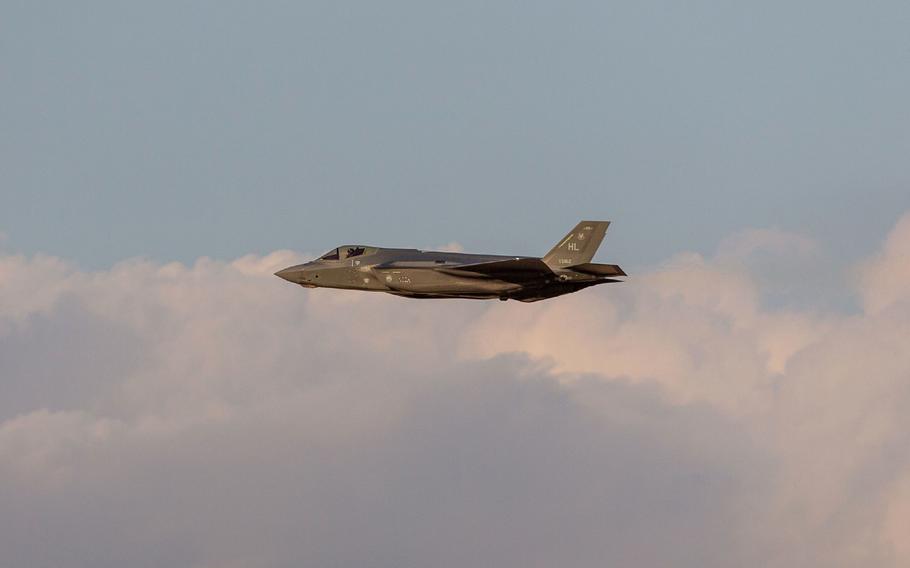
(414, 273)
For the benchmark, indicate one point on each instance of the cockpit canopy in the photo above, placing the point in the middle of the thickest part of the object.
(347, 251)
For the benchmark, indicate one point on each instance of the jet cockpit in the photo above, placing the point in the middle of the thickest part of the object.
(347, 251)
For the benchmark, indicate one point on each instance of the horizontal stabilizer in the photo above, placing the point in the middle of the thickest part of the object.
(599, 269)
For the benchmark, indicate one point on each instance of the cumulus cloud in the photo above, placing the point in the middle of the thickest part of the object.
(886, 278)
(211, 415)
(450, 247)
(752, 241)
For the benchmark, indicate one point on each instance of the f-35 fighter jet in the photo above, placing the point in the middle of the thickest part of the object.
(413, 273)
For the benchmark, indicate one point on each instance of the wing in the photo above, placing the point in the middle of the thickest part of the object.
(511, 270)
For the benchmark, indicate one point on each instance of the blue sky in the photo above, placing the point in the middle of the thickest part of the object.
(176, 130)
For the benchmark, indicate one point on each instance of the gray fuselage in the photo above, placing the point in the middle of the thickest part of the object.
(416, 273)
(430, 274)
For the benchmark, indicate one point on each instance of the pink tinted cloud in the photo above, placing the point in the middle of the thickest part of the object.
(673, 408)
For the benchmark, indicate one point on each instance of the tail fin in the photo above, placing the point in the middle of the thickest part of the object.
(579, 246)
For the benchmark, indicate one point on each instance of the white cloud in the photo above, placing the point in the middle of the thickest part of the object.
(213, 415)
(886, 278)
(450, 247)
(776, 241)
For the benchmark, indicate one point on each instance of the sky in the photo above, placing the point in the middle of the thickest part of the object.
(175, 130)
(739, 401)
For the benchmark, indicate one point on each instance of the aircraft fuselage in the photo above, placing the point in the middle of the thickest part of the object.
(415, 273)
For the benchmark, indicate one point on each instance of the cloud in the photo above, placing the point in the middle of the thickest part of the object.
(211, 415)
(886, 278)
(450, 247)
(775, 241)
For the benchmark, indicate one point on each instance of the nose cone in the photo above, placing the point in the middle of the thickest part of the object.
(292, 273)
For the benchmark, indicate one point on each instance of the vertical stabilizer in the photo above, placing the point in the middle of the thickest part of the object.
(579, 246)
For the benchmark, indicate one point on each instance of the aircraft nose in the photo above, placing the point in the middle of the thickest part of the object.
(291, 273)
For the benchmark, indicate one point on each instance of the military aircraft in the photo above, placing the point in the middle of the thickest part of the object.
(413, 273)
